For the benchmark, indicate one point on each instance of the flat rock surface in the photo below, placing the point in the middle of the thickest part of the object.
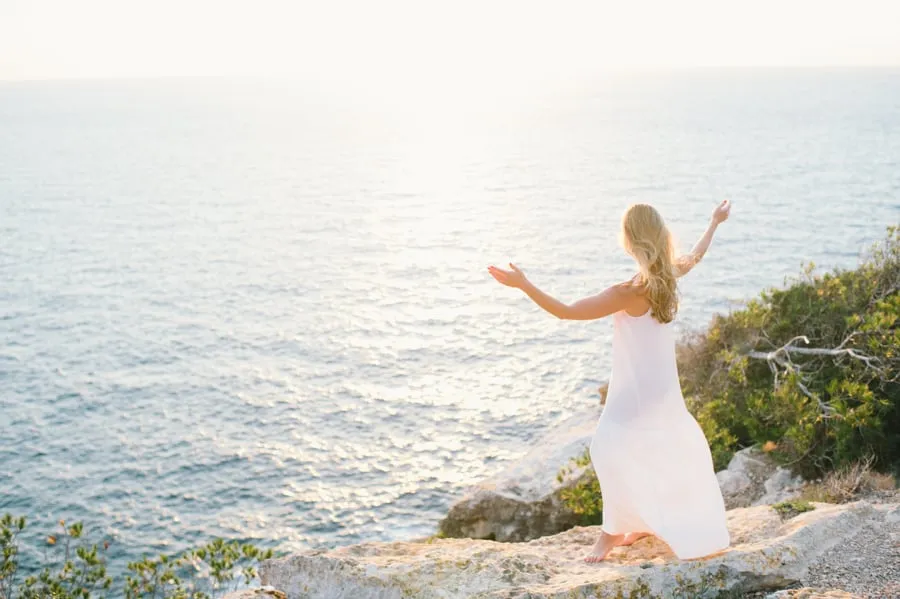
(766, 553)
(263, 593)
(813, 593)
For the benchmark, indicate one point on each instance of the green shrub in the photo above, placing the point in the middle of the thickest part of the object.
(583, 497)
(812, 369)
(80, 572)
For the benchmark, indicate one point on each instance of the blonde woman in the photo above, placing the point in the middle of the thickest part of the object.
(651, 457)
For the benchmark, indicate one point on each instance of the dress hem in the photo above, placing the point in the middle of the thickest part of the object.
(649, 532)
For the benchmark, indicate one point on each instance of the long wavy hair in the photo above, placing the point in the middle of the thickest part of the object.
(646, 237)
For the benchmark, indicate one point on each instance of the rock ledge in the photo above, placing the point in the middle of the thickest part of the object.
(766, 554)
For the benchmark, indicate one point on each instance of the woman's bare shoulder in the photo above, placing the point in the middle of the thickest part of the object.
(634, 294)
(632, 286)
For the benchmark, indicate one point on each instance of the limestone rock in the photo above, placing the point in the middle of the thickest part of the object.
(743, 479)
(262, 593)
(766, 554)
(523, 502)
(812, 593)
(753, 478)
(780, 486)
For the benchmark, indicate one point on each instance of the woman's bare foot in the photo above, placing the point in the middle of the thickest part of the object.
(602, 547)
(631, 537)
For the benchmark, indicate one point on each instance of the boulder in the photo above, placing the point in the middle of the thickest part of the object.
(524, 501)
(766, 554)
(780, 486)
(753, 478)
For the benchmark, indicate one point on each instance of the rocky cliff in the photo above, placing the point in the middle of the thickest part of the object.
(768, 551)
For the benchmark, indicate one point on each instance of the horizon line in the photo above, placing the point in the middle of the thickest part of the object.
(605, 71)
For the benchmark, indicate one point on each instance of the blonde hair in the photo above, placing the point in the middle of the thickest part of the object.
(646, 237)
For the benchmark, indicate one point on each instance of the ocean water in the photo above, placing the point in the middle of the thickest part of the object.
(262, 311)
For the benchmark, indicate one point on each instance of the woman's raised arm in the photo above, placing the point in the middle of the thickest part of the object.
(684, 264)
(603, 304)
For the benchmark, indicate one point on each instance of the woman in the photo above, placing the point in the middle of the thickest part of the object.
(651, 457)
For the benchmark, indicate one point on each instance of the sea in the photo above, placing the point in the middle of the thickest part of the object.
(260, 309)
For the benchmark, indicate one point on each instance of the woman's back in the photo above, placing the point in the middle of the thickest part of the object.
(644, 390)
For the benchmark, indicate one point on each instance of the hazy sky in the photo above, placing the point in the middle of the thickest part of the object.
(397, 41)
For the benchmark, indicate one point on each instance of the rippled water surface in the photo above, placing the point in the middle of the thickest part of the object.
(262, 312)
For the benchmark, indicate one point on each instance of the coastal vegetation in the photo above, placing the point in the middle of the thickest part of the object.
(808, 372)
(76, 569)
(583, 497)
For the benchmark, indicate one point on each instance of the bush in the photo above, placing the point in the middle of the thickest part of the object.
(812, 368)
(81, 571)
(583, 497)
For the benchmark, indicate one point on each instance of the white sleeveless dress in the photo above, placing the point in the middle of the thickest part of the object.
(651, 457)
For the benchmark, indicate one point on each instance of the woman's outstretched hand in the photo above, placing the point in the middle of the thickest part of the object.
(510, 278)
(720, 214)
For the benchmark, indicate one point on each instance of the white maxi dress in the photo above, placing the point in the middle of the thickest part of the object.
(651, 457)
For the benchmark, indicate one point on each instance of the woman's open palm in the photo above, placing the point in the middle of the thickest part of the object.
(722, 211)
(510, 278)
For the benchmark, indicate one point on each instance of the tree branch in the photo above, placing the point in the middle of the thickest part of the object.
(781, 355)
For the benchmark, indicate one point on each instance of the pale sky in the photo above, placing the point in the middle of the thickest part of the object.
(388, 41)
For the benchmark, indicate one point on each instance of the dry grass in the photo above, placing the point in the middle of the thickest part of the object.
(848, 483)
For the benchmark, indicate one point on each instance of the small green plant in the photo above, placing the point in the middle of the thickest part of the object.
(81, 573)
(217, 567)
(9, 560)
(436, 536)
(584, 497)
(789, 509)
(197, 574)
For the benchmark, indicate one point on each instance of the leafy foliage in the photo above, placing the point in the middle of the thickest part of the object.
(82, 571)
(583, 497)
(835, 400)
(196, 574)
(10, 528)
